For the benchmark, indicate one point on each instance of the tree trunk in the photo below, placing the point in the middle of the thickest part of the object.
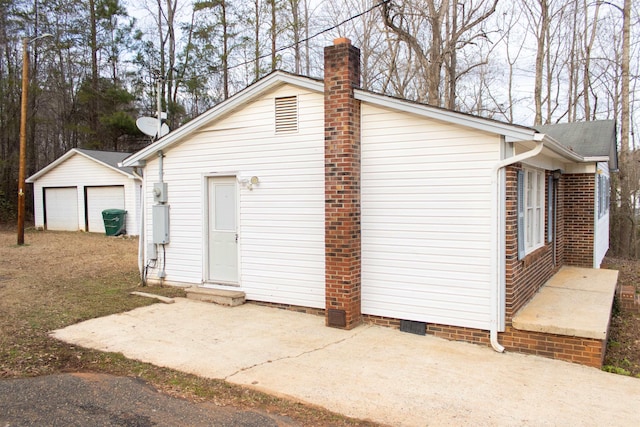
(225, 49)
(540, 55)
(588, 46)
(93, 42)
(627, 223)
(256, 41)
(274, 34)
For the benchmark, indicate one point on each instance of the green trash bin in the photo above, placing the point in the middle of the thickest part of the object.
(114, 221)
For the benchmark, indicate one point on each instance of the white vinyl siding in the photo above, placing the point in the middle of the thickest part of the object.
(281, 219)
(601, 214)
(80, 172)
(426, 219)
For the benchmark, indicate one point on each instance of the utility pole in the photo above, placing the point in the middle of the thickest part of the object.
(23, 133)
(23, 139)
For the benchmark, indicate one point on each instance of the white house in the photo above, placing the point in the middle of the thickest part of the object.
(317, 194)
(71, 193)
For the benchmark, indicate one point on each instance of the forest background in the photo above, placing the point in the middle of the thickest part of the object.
(519, 61)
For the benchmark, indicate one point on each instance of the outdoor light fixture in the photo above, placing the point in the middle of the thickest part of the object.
(250, 182)
(23, 132)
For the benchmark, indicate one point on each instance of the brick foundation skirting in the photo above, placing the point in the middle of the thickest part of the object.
(584, 351)
(289, 307)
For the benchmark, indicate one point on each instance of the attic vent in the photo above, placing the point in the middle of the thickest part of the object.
(287, 114)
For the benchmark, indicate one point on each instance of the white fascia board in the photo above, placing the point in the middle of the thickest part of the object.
(64, 158)
(560, 149)
(512, 133)
(128, 175)
(52, 165)
(276, 78)
(597, 159)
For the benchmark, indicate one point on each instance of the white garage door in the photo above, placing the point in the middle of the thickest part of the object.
(99, 199)
(61, 208)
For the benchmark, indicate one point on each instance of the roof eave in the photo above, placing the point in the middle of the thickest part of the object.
(512, 133)
(51, 165)
(560, 149)
(596, 159)
(67, 156)
(275, 79)
(125, 173)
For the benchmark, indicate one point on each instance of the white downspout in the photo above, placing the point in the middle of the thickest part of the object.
(498, 227)
(141, 227)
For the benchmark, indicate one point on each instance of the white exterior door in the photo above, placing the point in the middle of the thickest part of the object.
(61, 208)
(223, 231)
(99, 199)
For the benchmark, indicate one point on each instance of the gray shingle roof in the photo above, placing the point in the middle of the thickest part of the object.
(589, 139)
(111, 158)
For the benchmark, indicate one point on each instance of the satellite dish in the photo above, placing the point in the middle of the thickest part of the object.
(164, 129)
(148, 125)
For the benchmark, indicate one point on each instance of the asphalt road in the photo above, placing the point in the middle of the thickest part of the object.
(104, 400)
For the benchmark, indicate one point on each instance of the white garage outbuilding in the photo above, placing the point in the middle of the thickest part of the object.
(71, 193)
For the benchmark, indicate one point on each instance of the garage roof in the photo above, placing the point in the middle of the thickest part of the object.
(109, 159)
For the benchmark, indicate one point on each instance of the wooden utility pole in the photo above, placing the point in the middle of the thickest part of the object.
(23, 139)
(23, 134)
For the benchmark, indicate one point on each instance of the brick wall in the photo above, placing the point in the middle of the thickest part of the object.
(291, 307)
(524, 277)
(342, 184)
(579, 219)
(585, 351)
(628, 299)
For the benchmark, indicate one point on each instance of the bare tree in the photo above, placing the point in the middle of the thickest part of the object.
(627, 225)
(589, 40)
(451, 27)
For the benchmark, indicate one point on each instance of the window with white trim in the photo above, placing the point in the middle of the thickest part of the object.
(531, 205)
(550, 209)
(603, 194)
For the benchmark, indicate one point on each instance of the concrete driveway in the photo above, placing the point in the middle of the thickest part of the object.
(370, 372)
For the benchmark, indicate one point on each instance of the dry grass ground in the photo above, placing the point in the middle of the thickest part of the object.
(58, 279)
(623, 348)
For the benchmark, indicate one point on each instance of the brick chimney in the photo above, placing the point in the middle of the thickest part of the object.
(342, 184)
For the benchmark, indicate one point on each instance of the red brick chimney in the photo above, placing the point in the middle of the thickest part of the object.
(342, 184)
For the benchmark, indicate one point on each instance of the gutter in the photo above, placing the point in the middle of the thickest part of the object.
(558, 148)
(597, 159)
(497, 219)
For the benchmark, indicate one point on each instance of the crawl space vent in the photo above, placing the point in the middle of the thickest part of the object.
(418, 328)
(287, 114)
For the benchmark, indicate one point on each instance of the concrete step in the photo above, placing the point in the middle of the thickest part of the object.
(217, 296)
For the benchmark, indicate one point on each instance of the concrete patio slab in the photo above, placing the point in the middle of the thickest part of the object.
(369, 372)
(574, 302)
